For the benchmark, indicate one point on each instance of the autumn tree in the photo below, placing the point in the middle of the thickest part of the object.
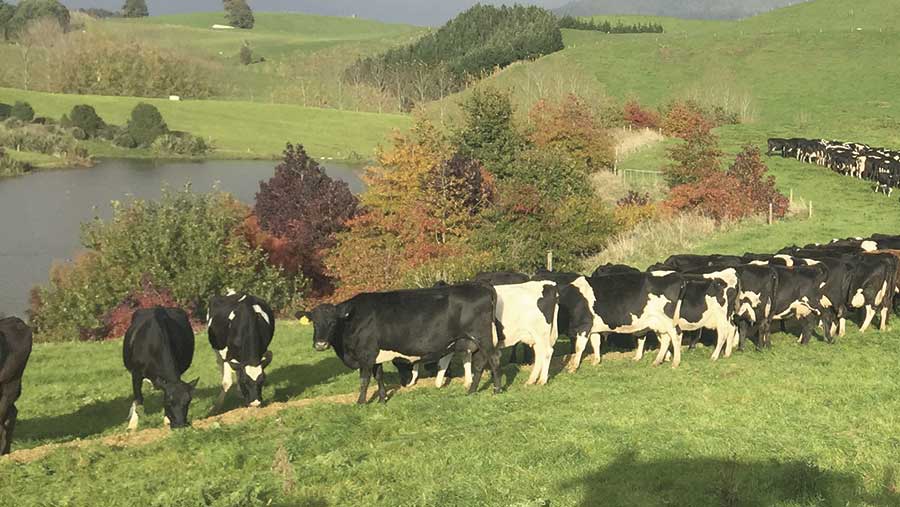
(571, 130)
(695, 158)
(304, 207)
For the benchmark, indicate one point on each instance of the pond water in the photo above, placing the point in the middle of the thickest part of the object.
(41, 213)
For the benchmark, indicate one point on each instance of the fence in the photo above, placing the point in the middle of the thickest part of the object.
(640, 177)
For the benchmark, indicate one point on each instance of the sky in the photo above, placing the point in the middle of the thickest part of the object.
(417, 12)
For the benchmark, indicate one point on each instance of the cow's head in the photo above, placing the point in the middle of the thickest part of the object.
(326, 320)
(251, 379)
(177, 398)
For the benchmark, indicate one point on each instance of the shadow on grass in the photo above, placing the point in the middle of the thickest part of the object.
(292, 380)
(726, 482)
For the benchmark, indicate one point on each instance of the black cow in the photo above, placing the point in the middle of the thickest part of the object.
(873, 286)
(501, 277)
(421, 325)
(799, 296)
(755, 299)
(241, 327)
(15, 348)
(612, 269)
(626, 303)
(159, 348)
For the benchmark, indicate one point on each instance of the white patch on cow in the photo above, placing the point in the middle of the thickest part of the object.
(443, 364)
(166, 421)
(467, 371)
(759, 263)
(788, 260)
(729, 276)
(242, 298)
(879, 297)
(822, 285)
(870, 314)
(223, 353)
(858, 299)
(231, 316)
(253, 372)
(415, 376)
(148, 381)
(517, 311)
(255, 403)
(133, 416)
(811, 262)
(799, 308)
(230, 292)
(661, 273)
(747, 311)
(869, 246)
(389, 355)
(825, 302)
(208, 320)
(258, 309)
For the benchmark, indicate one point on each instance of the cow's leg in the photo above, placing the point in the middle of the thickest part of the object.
(6, 429)
(415, 375)
(694, 338)
(596, 342)
(496, 374)
(545, 367)
(227, 379)
(639, 350)
(138, 402)
(379, 377)
(664, 340)
(884, 317)
(443, 365)
(538, 367)
(580, 344)
(467, 370)
(676, 347)
(365, 374)
(842, 326)
(870, 314)
(478, 360)
(806, 328)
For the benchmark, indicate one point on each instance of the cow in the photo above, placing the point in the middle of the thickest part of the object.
(627, 303)
(15, 348)
(419, 325)
(611, 269)
(241, 327)
(758, 285)
(501, 277)
(158, 348)
(799, 296)
(709, 301)
(527, 313)
(873, 286)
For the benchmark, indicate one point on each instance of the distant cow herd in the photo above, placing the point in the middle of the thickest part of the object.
(879, 165)
(735, 297)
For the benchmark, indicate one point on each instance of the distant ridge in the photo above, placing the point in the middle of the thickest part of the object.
(694, 9)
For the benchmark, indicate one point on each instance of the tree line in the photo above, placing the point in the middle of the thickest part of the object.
(607, 27)
(473, 44)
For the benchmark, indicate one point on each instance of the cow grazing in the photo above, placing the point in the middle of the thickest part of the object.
(873, 286)
(799, 296)
(626, 303)
(15, 348)
(158, 348)
(421, 325)
(241, 327)
(758, 285)
(527, 313)
(709, 301)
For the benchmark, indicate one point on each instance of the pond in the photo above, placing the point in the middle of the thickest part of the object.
(41, 213)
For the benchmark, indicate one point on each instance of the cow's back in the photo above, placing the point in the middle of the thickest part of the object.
(15, 348)
(250, 332)
(159, 338)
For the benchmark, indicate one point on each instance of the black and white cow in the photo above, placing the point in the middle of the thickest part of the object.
(755, 300)
(799, 296)
(626, 303)
(611, 269)
(241, 327)
(873, 286)
(158, 348)
(420, 325)
(15, 348)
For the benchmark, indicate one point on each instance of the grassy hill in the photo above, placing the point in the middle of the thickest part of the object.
(793, 426)
(237, 129)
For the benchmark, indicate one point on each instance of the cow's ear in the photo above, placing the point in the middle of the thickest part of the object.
(193, 383)
(266, 359)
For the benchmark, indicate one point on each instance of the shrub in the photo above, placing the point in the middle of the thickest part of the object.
(570, 129)
(638, 117)
(146, 124)
(246, 54)
(489, 134)
(633, 198)
(239, 14)
(686, 119)
(125, 140)
(185, 243)
(32, 10)
(304, 206)
(110, 132)
(751, 171)
(181, 143)
(135, 9)
(86, 118)
(12, 167)
(5, 111)
(22, 111)
(79, 133)
(695, 158)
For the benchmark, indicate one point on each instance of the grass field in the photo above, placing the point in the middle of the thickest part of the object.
(792, 426)
(237, 129)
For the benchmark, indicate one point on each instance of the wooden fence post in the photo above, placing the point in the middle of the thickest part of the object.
(791, 198)
(550, 260)
(810, 209)
(770, 214)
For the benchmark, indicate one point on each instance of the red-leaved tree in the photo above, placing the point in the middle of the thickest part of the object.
(303, 206)
(638, 117)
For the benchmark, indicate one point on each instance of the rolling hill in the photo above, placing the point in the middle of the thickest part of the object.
(698, 9)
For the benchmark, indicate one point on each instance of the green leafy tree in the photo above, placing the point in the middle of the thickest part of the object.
(7, 12)
(489, 134)
(31, 10)
(146, 124)
(22, 111)
(135, 9)
(86, 118)
(239, 14)
(694, 159)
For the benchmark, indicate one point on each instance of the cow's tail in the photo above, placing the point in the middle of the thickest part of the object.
(554, 324)
(676, 316)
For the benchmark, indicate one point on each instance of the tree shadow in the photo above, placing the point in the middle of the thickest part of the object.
(727, 482)
(292, 380)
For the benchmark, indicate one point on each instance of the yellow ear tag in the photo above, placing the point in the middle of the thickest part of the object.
(304, 321)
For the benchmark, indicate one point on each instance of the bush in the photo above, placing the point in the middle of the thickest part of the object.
(110, 132)
(125, 140)
(304, 206)
(146, 124)
(12, 167)
(246, 54)
(31, 10)
(79, 133)
(22, 111)
(571, 130)
(86, 118)
(135, 9)
(489, 134)
(694, 159)
(638, 117)
(181, 143)
(187, 244)
(5, 111)
(239, 14)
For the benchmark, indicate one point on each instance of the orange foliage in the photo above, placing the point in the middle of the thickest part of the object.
(685, 119)
(571, 129)
(638, 117)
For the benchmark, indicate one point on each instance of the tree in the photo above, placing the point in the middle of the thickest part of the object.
(86, 118)
(146, 124)
(30, 10)
(238, 14)
(7, 12)
(573, 132)
(694, 159)
(489, 134)
(22, 111)
(305, 207)
(135, 9)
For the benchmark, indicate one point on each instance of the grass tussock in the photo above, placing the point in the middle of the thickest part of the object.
(629, 141)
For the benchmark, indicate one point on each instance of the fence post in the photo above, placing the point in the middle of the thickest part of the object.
(616, 162)
(770, 214)
(810, 209)
(550, 260)
(792, 197)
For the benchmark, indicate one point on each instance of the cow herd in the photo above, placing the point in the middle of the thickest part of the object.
(735, 297)
(879, 165)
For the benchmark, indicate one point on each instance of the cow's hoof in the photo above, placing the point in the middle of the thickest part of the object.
(498, 391)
